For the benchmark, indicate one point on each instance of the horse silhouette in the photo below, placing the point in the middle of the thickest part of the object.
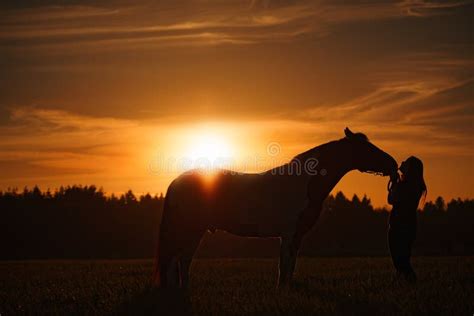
(283, 202)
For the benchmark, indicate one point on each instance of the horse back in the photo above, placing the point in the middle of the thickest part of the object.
(243, 204)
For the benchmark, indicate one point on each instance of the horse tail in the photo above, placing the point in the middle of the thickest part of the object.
(156, 270)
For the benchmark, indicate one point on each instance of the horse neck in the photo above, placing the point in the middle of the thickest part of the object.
(333, 165)
(332, 157)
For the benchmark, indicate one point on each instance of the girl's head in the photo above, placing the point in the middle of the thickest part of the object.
(412, 172)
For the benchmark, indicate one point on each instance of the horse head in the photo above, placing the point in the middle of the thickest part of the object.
(366, 157)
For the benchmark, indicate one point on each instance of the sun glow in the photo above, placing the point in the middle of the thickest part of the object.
(209, 147)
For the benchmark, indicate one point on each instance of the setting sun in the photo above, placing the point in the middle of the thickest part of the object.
(209, 148)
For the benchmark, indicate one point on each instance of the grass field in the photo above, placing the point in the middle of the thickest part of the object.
(341, 286)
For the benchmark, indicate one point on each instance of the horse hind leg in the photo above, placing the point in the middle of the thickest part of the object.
(192, 243)
(185, 263)
(169, 267)
(168, 254)
(173, 274)
(179, 237)
(176, 251)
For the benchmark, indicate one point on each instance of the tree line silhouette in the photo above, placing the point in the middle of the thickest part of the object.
(83, 222)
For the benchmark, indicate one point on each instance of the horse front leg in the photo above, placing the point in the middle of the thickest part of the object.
(290, 244)
(288, 254)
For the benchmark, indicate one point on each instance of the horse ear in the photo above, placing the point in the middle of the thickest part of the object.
(348, 132)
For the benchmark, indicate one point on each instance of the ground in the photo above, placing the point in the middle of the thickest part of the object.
(325, 286)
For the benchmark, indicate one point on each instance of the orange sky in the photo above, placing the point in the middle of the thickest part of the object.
(97, 94)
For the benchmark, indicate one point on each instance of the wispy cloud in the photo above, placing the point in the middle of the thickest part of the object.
(52, 142)
(197, 22)
(422, 98)
(422, 8)
(58, 120)
(210, 23)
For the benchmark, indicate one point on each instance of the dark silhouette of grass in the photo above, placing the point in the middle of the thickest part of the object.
(155, 301)
(324, 286)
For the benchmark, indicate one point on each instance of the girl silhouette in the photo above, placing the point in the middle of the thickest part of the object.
(405, 192)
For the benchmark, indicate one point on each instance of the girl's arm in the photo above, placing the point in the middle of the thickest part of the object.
(393, 190)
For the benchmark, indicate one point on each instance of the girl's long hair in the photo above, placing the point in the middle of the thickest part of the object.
(414, 176)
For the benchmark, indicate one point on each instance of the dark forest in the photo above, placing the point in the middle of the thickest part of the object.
(85, 222)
